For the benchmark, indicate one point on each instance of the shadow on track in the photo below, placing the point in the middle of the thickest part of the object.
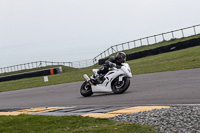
(106, 94)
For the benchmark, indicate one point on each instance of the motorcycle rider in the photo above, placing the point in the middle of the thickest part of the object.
(113, 61)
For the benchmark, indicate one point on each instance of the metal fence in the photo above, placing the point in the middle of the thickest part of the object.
(39, 64)
(185, 32)
(83, 63)
(32, 65)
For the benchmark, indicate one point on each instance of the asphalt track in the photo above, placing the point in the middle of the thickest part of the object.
(164, 88)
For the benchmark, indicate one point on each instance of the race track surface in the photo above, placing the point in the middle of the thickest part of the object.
(165, 88)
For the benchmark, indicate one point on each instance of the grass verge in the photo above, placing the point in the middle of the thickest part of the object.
(69, 124)
(172, 61)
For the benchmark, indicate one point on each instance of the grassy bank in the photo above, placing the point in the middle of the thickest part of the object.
(177, 60)
(69, 124)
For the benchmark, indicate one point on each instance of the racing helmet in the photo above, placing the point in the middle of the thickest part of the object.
(121, 57)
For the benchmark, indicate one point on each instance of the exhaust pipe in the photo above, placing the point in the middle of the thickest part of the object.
(86, 77)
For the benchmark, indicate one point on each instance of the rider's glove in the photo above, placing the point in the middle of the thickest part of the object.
(112, 64)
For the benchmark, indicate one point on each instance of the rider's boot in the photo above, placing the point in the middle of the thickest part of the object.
(94, 79)
(100, 78)
(97, 78)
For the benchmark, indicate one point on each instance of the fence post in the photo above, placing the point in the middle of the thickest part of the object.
(155, 38)
(172, 34)
(163, 37)
(141, 42)
(194, 30)
(116, 48)
(128, 45)
(112, 49)
(41, 63)
(147, 41)
(32, 64)
(182, 32)
(108, 51)
(28, 65)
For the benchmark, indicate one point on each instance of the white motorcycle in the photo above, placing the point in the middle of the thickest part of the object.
(117, 81)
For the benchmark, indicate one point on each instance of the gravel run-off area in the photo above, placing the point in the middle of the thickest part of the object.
(179, 119)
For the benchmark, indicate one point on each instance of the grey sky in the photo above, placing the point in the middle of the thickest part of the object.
(70, 30)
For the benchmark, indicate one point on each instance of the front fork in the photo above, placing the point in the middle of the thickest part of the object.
(121, 78)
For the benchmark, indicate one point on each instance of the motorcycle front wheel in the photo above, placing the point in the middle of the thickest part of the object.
(86, 89)
(119, 87)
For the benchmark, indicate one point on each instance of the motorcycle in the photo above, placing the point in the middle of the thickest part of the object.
(116, 81)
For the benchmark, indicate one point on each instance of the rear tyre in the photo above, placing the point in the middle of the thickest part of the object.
(86, 89)
(119, 87)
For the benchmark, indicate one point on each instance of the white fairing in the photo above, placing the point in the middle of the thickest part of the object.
(124, 71)
(127, 70)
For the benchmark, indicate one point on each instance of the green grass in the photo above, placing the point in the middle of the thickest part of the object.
(67, 124)
(177, 60)
(68, 75)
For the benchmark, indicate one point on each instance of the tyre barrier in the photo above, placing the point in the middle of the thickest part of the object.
(159, 50)
(31, 74)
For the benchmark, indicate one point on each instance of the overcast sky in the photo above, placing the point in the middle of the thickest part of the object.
(71, 30)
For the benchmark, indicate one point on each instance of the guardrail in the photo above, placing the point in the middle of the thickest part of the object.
(184, 32)
(32, 65)
(38, 64)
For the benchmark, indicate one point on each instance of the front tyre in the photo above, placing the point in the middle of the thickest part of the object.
(119, 87)
(86, 89)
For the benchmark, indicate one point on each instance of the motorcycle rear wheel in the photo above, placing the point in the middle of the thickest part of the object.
(86, 89)
(119, 87)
